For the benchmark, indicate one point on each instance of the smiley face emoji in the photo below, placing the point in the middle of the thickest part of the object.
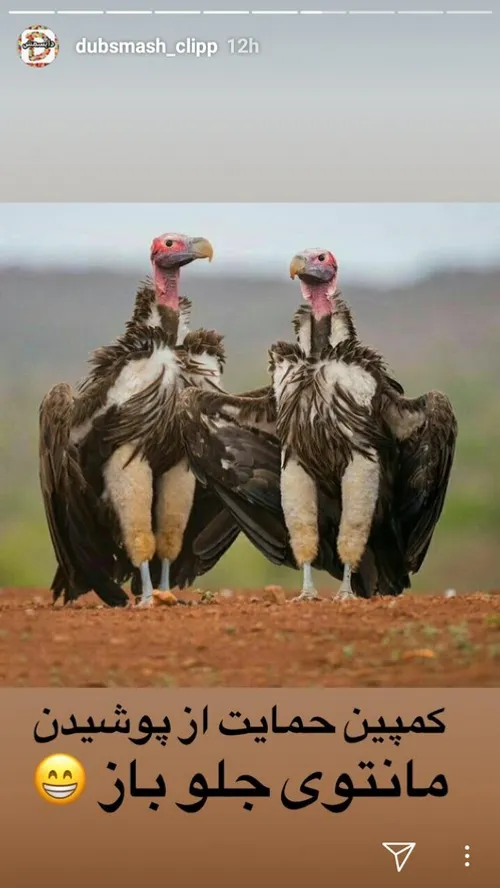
(60, 779)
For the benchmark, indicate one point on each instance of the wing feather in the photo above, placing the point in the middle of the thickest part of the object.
(242, 465)
(426, 459)
(210, 532)
(85, 551)
(55, 418)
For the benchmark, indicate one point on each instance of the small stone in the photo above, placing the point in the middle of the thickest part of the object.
(424, 653)
(274, 594)
(164, 598)
(226, 593)
(450, 593)
(190, 663)
(207, 596)
(332, 659)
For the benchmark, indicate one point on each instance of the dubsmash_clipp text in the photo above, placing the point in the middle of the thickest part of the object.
(157, 46)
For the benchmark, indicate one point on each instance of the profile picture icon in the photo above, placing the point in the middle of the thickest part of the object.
(37, 46)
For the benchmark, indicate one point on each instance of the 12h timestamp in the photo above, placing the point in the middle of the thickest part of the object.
(243, 46)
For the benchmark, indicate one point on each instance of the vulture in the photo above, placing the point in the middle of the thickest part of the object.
(115, 482)
(331, 466)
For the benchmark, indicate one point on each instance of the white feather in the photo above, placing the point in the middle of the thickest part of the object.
(134, 378)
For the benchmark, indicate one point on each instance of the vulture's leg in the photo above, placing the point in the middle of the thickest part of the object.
(130, 488)
(165, 575)
(345, 592)
(147, 585)
(360, 487)
(175, 495)
(308, 593)
(299, 502)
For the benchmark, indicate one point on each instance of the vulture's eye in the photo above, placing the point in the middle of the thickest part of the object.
(169, 243)
(321, 257)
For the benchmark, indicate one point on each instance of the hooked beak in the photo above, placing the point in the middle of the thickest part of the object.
(202, 249)
(297, 266)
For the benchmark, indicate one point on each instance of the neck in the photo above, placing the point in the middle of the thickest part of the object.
(169, 323)
(320, 297)
(314, 332)
(166, 281)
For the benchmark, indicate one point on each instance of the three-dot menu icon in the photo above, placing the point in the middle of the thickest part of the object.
(467, 855)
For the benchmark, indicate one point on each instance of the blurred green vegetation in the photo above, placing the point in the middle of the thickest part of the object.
(464, 554)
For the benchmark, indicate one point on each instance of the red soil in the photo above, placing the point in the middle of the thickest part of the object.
(251, 639)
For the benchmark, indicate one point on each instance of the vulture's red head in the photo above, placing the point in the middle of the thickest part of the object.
(317, 271)
(169, 252)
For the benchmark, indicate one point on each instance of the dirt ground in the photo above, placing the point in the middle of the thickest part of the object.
(251, 639)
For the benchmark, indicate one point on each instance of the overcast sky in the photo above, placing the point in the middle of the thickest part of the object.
(370, 240)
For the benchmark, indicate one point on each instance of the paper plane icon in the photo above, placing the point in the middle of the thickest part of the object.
(401, 851)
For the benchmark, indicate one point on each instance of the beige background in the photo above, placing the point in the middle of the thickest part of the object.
(223, 845)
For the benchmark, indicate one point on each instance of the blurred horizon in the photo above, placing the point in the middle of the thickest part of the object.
(436, 320)
(383, 242)
(242, 269)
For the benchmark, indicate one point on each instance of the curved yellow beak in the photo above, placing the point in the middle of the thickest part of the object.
(297, 266)
(202, 248)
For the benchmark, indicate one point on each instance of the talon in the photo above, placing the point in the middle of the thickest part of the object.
(308, 591)
(307, 595)
(343, 595)
(345, 592)
(146, 599)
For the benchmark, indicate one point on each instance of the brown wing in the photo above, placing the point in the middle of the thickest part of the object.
(210, 532)
(427, 431)
(55, 421)
(241, 465)
(265, 391)
(84, 548)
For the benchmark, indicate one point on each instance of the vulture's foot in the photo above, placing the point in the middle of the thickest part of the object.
(145, 602)
(343, 595)
(164, 586)
(308, 593)
(165, 581)
(345, 592)
(146, 599)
